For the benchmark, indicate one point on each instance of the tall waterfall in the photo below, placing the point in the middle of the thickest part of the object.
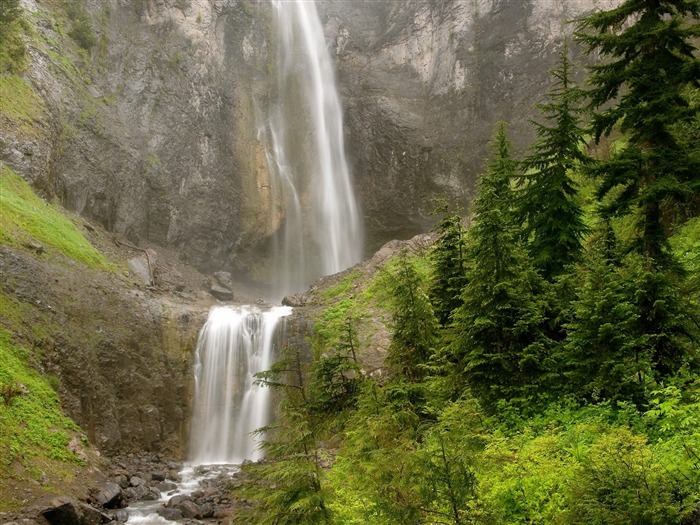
(321, 233)
(234, 344)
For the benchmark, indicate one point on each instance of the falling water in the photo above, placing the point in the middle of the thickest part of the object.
(321, 231)
(234, 345)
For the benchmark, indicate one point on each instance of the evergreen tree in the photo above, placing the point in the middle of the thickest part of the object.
(498, 339)
(548, 201)
(449, 264)
(287, 490)
(650, 61)
(413, 321)
(606, 355)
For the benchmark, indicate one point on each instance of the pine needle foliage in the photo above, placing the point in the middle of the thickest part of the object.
(498, 341)
(415, 327)
(650, 60)
(548, 203)
(449, 259)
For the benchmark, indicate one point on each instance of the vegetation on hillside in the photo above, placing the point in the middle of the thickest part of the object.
(544, 362)
(27, 219)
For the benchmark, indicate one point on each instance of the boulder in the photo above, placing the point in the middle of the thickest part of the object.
(170, 514)
(207, 510)
(220, 292)
(166, 486)
(176, 500)
(152, 495)
(298, 299)
(109, 495)
(136, 481)
(189, 509)
(67, 511)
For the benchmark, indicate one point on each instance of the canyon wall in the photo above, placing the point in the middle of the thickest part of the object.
(153, 130)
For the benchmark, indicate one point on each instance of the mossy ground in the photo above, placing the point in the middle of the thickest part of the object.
(25, 218)
(34, 433)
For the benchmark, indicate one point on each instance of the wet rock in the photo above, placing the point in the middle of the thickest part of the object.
(298, 299)
(158, 476)
(166, 486)
(189, 509)
(109, 495)
(176, 500)
(152, 495)
(119, 515)
(170, 514)
(136, 481)
(221, 292)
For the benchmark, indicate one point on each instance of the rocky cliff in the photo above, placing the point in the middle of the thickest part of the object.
(425, 82)
(151, 126)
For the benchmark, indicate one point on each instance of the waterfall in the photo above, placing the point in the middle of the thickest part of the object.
(233, 345)
(321, 232)
(320, 235)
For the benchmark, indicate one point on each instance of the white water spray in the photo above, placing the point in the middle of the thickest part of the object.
(234, 345)
(321, 233)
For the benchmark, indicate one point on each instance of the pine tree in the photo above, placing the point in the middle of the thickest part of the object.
(288, 489)
(606, 355)
(548, 201)
(498, 341)
(650, 60)
(414, 323)
(449, 264)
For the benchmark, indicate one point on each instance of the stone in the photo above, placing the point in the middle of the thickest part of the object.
(152, 495)
(170, 514)
(189, 509)
(158, 476)
(298, 299)
(224, 279)
(109, 495)
(136, 481)
(220, 292)
(207, 510)
(92, 516)
(176, 500)
(62, 511)
(166, 486)
(119, 515)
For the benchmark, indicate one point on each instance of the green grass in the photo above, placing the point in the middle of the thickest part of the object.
(19, 103)
(32, 426)
(25, 218)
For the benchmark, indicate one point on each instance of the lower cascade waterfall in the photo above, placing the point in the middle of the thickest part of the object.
(234, 345)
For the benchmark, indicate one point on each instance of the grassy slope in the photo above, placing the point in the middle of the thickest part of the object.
(34, 432)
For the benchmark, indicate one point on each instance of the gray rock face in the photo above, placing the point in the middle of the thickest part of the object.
(424, 83)
(162, 143)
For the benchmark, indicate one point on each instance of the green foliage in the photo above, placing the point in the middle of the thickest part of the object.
(81, 27)
(449, 259)
(650, 62)
(288, 491)
(499, 344)
(607, 357)
(32, 426)
(26, 218)
(413, 322)
(13, 54)
(19, 103)
(548, 202)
